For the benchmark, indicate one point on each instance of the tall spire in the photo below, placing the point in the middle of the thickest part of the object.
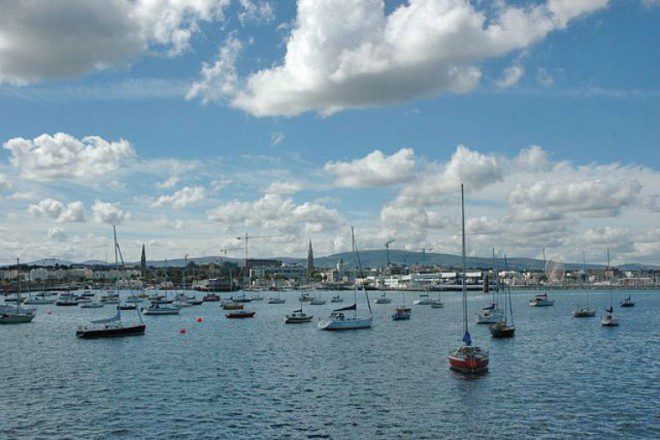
(310, 259)
(143, 262)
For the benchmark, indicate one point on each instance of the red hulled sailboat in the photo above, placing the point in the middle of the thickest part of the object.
(467, 359)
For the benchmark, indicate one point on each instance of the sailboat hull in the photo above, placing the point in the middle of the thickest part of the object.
(498, 331)
(112, 332)
(584, 313)
(16, 318)
(345, 324)
(468, 364)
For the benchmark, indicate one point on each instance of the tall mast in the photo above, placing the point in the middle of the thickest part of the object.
(114, 235)
(465, 323)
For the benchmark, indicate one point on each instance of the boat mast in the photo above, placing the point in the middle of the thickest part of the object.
(359, 265)
(116, 246)
(18, 275)
(586, 275)
(466, 335)
(508, 292)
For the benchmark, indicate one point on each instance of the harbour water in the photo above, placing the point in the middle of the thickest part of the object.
(560, 377)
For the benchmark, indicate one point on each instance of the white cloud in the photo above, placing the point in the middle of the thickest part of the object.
(276, 138)
(257, 12)
(43, 39)
(220, 79)
(23, 195)
(544, 77)
(375, 169)
(174, 224)
(278, 214)
(63, 156)
(283, 188)
(510, 77)
(5, 184)
(57, 234)
(588, 197)
(72, 213)
(110, 213)
(220, 184)
(169, 183)
(349, 54)
(182, 198)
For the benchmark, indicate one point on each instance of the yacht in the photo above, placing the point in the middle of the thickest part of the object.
(467, 359)
(627, 302)
(231, 305)
(92, 305)
(317, 301)
(383, 299)
(16, 314)
(111, 327)
(423, 300)
(609, 319)
(298, 317)
(305, 297)
(584, 311)
(276, 300)
(341, 319)
(211, 297)
(490, 315)
(39, 300)
(161, 309)
(240, 314)
(66, 300)
(541, 301)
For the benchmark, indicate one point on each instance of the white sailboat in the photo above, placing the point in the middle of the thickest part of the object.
(112, 327)
(16, 314)
(343, 319)
(383, 299)
(584, 311)
(162, 307)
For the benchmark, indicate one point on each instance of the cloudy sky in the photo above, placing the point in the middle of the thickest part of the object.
(189, 122)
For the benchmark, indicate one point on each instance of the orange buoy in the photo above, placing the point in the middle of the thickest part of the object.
(183, 331)
(200, 319)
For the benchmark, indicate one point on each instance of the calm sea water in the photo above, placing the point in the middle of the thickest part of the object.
(560, 377)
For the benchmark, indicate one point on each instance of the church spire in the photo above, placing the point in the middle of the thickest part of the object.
(310, 259)
(143, 263)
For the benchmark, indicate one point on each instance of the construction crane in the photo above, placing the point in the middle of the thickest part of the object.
(247, 237)
(424, 254)
(387, 250)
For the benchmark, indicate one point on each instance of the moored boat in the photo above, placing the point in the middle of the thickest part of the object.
(161, 309)
(336, 299)
(240, 314)
(609, 319)
(211, 297)
(383, 299)
(627, 302)
(423, 300)
(541, 301)
(467, 359)
(231, 305)
(402, 313)
(298, 317)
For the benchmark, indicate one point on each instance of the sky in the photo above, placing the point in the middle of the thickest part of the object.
(189, 122)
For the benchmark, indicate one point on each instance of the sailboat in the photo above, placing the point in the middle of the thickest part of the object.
(298, 316)
(162, 307)
(317, 300)
(609, 319)
(423, 300)
(504, 329)
(492, 313)
(627, 302)
(336, 299)
(112, 327)
(585, 311)
(383, 299)
(338, 319)
(467, 359)
(16, 314)
(40, 298)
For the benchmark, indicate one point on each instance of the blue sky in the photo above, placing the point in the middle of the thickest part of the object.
(557, 111)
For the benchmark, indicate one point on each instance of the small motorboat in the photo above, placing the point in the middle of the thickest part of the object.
(541, 301)
(298, 317)
(402, 313)
(211, 297)
(161, 309)
(627, 302)
(609, 319)
(240, 314)
(501, 330)
(336, 299)
(231, 305)
(382, 299)
(92, 305)
(276, 300)
(423, 300)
